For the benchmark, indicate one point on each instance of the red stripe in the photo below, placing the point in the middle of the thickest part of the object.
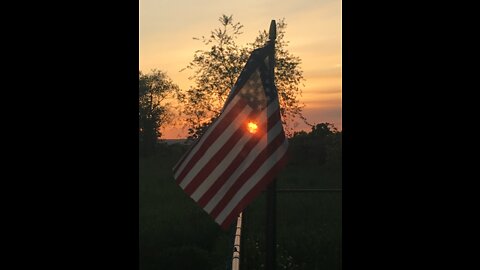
(242, 154)
(254, 192)
(217, 158)
(219, 129)
(248, 173)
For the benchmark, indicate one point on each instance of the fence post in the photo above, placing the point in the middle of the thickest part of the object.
(271, 228)
(236, 244)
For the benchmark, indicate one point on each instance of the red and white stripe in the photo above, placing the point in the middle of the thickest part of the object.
(229, 166)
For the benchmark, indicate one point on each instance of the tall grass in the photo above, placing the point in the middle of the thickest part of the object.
(177, 234)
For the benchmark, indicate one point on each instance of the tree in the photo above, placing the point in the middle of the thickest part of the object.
(323, 143)
(288, 77)
(215, 71)
(323, 130)
(155, 91)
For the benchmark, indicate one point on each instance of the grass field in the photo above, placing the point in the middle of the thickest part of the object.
(177, 234)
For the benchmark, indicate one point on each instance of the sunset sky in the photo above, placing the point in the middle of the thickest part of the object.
(314, 30)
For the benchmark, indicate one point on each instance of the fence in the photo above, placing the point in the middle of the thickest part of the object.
(238, 259)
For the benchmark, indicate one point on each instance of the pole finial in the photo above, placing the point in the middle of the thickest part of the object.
(272, 33)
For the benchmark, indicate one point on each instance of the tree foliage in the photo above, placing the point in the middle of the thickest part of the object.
(322, 143)
(216, 69)
(288, 77)
(155, 90)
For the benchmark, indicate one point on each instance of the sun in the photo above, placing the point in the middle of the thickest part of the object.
(252, 127)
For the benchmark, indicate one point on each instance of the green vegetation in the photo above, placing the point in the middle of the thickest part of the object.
(175, 233)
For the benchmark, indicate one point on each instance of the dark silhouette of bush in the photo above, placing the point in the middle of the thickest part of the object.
(323, 143)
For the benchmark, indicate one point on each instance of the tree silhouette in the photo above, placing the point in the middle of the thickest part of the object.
(155, 90)
(323, 143)
(215, 71)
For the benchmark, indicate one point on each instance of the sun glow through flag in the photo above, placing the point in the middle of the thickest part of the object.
(252, 127)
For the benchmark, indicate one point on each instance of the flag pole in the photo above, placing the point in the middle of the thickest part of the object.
(270, 236)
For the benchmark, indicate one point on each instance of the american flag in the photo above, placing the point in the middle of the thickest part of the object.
(242, 151)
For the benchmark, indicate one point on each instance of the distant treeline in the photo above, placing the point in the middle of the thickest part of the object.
(322, 143)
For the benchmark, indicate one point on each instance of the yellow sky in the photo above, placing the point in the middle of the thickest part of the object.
(314, 30)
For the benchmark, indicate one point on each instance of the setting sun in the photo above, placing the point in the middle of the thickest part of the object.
(252, 127)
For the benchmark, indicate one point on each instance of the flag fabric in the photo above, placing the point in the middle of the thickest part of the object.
(244, 148)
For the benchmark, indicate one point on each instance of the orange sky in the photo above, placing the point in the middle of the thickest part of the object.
(313, 30)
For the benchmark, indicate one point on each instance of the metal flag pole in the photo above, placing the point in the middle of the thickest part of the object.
(271, 230)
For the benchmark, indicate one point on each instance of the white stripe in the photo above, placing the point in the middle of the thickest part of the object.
(223, 165)
(216, 145)
(206, 135)
(262, 143)
(252, 181)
